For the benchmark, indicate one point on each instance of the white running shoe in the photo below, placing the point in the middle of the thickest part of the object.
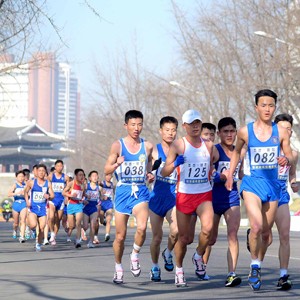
(21, 240)
(118, 277)
(200, 267)
(90, 245)
(38, 247)
(135, 266)
(180, 280)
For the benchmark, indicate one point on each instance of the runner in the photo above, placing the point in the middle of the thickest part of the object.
(283, 219)
(19, 206)
(130, 159)
(56, 207)
(106, 207)
(193, 156)
(90, 210)
(162, 200)
(75, 193)
(226, 203)
(41, 192)
(208, 131)
(261, 189)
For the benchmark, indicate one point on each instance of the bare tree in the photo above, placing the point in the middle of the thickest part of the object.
(225, 60)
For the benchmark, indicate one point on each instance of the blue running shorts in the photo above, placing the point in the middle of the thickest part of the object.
(125, 200)
(106, 205)
(19, 205)
(74, 209)
(161, 203)
(266, 190)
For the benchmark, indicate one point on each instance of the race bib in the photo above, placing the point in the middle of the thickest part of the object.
(58, 187)
(196, 173)
(264, 157)
(38, 197)
(76, 195)
(92, 195)
(133, 171)
(283, 172)
(107, 192)
(225, 165)
(171, 179)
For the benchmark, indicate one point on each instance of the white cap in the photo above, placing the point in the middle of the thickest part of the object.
(190, 116)
(70, 174)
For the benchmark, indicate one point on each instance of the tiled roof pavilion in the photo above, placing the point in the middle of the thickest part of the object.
(29, 145)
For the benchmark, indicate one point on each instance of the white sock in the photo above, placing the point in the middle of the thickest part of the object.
(197, 256)
(255, 262)
(283, 272)
(118, 267)
(155, 265)
(179, 270)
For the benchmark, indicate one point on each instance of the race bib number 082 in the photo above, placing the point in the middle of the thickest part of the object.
(264, 157)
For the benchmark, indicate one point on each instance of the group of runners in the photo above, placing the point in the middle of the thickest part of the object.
(45, 201)
(181, 180)
(194, 178)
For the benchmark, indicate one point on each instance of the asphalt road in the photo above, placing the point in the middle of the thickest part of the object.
(63, 272)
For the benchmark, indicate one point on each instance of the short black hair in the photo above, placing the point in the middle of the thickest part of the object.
(20, 172)
(76, 171)
(225, 122)
(52, 169)
(26, 171)
(42, 166)
(168, 119)
(284, 117)
(133, 114)
(209, 126)
(58, 161)
(265, 92)
(34, 166)
(94, 171)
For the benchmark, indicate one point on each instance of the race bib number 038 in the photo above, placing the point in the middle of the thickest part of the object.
(133, 170)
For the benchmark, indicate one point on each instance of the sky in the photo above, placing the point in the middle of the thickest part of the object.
(122, 23)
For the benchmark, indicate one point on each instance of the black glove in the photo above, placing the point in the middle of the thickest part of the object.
(156, 164)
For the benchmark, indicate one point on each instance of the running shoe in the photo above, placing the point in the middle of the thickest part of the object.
(38, 247)
(90, 245)
(180, 280)
(155, 274)
(96, 240)
(107, 237)
(14, 234)
(118, 277)
(53, 242)
(254, 279)
(77, 244)
(169, 266)
(27, 236)
(33, 234)
(232, 280)
(69, 240)
(46, 242)
(83, 235)
(284, 283)
(248, 245)
(200, 268)
(135, 266)
(104, 222)
(21, 240)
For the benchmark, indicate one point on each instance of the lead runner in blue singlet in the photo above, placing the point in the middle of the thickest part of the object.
(130, 160)
(261, 189)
